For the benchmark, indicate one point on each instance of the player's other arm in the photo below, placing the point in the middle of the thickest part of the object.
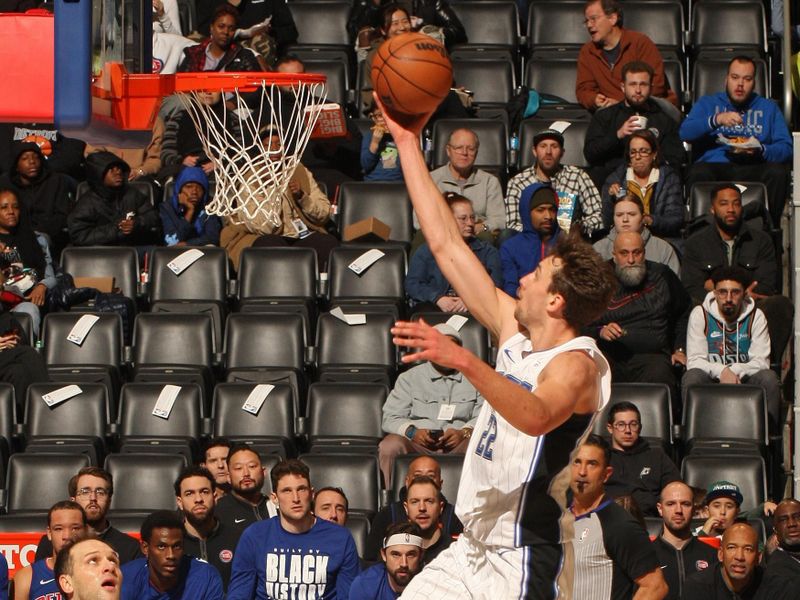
(492, 307)
(651, 586)
(20, 586)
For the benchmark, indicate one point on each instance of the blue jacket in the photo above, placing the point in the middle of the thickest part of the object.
(762, 119)
(197, 581)
(522, 253)
(271, 562)
(425, 281)
(384, 165)
(204, 229)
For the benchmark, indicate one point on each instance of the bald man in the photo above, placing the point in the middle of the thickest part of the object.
(736, 576)
(679, 552)
(782, 575)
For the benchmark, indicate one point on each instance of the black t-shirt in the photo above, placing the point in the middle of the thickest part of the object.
(612, 56)
(677, 565)
(709, 585)
(217, 550)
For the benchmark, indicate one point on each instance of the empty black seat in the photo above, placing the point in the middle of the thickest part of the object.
(356, 474)
(489, 26)
(143, 482)
(37, 481)
(345, 416)
(385, 201)
(491, 80)
(381, 285)
(662, 22)
(556, 28)
(729, 27)
(321, 23)
(554, 76)
(119, 262)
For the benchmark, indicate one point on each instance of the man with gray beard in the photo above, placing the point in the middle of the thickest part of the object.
(643, 331)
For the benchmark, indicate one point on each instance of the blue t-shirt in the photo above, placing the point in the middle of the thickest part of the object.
(43, 582)
(197, 581)
(272, 563)
(373, 584)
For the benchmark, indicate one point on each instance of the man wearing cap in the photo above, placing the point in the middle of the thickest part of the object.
(521, 254)
(720, 508)
(578, 198)
(402, 559)
(431, 410)
(782, 576)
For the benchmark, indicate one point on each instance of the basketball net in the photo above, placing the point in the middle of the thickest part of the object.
(250, 177)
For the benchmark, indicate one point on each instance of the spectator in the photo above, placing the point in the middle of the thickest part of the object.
(88, 569)
(424, 507)
(206, 537)
(521, 254)
(271, 552)
(612, 552)
(184, 218)
(92, 488)
(246, 504)
(731, 241)
(678, 551)
(23, 249)
(45, 196)
(20, 365)
(111, 212)
(606, 140)
(600, 62)
(165, 571)
(643, 331)
(401, 557)
(721, 508)
(639, 469)
(331, 504)
(657, 186)
(168, 40)
(629, 217)
(431, 410)
(481, 187)
(425, 284)
(219, 52)
(736, 576)
(62, 154)
(719, 120)
(578, 199)
(782, 576)
(303, 212)
(215, 459)
(728, 341)
(65, 523)
(379, 158)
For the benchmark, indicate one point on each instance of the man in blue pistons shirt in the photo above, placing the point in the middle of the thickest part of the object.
(402, 559)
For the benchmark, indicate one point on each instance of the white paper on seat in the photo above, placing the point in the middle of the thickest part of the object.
(61, 394)
(82, 328)
(165, 401)
(365, 261)
(457, 322)
(255, 400)
(185, 260)
(351, 319)
(560, 126)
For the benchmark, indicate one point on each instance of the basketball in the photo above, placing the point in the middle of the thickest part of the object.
(411, 73)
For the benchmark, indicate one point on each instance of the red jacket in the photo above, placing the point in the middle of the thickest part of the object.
(595, 77)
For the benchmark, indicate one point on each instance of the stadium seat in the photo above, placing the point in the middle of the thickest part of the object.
(708, 77)
(99, 357)
(356, 352)
(493, 136)
(490, 26)
(554, 76)
(24, 523)
(8, 420)
(655, 406)
(356, 474)
(723, 27)
(662, 22)
(388, 202)
(187, 13)
(450, 464)
(358, 525)
(345, 416)
(379, 287)
(37, 481)
(270, 430)
(337, 81)
(474, 336)
(556, 28)
(754, 201)
(143, 482)
(491, 80)
(119, 262)
(748, 472)
(200, 288)
(321, 22)
(573, 141)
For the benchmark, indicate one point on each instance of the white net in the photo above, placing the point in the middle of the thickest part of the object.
(251, 167)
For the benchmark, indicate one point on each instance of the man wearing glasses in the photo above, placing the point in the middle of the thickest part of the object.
(92, 488)
(639, 469)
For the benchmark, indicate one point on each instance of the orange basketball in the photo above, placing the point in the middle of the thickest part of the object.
(44, 144)
(411, 73)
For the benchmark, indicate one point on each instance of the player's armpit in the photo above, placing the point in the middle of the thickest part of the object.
(651, 586)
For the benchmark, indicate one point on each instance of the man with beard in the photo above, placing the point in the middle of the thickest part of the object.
(643, 330)
(578, 198)
(782, 575)
(736, 576)
(604, 146)
(728, 341)
(679, 552)
(424, 507)
(92, 488)
(402, 559)
(246, 503)
(719, 124)
(206, 537)
(166, 572)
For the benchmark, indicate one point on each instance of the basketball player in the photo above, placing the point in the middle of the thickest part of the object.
(88, 570)
(540, 402)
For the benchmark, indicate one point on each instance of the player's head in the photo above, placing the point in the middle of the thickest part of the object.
(424, 504)
(331, 504)
(292, 491)
(739, 555)
(675, 505)
(624, 424)
(194, 495)
(402, 554)
(161, 542)
(427, 466)
(573, 283)
(66, 521)
(591, 468)
(723, 503)
(246, 472)
(215, 459)
(92, 488)
(88, 569)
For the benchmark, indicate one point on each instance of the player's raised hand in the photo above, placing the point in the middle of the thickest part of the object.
(402, 126)
(428, 342)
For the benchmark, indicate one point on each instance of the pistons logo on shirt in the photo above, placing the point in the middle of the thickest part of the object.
(701, 565)
(225, 556)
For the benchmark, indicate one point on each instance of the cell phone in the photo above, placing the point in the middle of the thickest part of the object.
(436, 433)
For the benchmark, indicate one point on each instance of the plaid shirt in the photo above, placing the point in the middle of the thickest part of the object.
(568, 179)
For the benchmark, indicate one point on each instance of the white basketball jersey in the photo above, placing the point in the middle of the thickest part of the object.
(513, 485)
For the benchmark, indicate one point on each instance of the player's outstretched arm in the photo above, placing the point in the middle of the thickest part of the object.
(491, 306)
(567, 385)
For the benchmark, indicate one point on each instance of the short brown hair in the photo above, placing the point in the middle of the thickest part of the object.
(422, 480)
(72, 486)
(609, 7)
(291, 466)
(637, 66)
(583, 279)
(65, 505)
